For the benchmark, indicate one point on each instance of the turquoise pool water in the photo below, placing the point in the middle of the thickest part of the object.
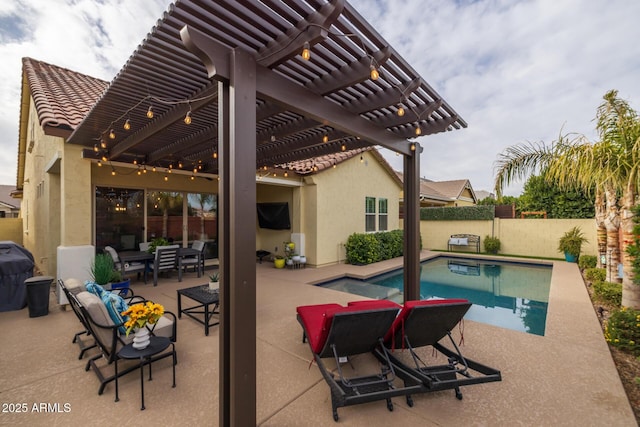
(506, 294)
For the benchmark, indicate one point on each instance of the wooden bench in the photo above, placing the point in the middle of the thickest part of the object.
(464, 240)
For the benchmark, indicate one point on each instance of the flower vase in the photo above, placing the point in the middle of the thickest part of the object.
(141, 339)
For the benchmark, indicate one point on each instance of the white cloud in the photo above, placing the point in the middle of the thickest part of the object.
(514, 70)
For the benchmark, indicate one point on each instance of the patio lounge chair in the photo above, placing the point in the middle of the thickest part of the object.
(337, 332)
(109, 337)
(425, 323)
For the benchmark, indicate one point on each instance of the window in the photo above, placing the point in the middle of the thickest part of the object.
(382, 214)
(370, 214)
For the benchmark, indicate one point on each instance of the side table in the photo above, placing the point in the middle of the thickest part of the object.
(156, 346)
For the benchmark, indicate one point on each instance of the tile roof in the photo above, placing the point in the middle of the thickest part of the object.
(440, 190)
(63, 97)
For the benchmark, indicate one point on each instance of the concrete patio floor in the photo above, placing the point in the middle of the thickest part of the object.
(566, 377)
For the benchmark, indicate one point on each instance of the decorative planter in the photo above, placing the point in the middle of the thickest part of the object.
(278, 262)
(289, 262)
(570, 258)
(303, 259)
(214, 286)
(296, 258)
(141, 339)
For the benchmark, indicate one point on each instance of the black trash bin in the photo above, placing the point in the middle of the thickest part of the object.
(16, 266)
(38, 289)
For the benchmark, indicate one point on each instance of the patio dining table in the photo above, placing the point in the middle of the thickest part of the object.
(127, 257)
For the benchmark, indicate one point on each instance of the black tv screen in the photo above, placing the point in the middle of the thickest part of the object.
(274, 216)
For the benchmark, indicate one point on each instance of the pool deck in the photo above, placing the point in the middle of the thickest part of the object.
(565, 378)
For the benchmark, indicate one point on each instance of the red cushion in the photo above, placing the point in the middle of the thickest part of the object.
(372, 304)
(313, 319)
(408, 306)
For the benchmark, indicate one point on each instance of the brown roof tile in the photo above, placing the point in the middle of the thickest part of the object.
(62, 97)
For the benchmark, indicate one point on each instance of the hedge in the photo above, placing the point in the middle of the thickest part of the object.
(367, 248)
(458, 213)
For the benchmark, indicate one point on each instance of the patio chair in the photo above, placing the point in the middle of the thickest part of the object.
(109, 336)
(196, 261)
(166, 259)
(75, 286)
(337, 332)
(425, 323)
(134, 267)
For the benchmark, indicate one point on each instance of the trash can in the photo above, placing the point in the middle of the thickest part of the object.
(16, 266)
(38, 289)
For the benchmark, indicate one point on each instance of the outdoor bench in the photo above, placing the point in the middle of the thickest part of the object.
(464, 240)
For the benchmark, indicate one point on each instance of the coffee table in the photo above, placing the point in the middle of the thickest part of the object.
(206, 298)
(157, 345)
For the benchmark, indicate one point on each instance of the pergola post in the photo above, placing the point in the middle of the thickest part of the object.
(237, 141)
(412, 224)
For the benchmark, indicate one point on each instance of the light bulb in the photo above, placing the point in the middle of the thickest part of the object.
(95, 147)
(103, 143)
(192, 177)
(113, 172)
(127, 125)
(400, 111)
(413, 147)
(325, 138)
(150, 112)
(286, 174)
(99, 163)
(135, 162)
(343, 147)
(361, 159)
(166, 178)
(215, 154)
(306, 52)
(374, 74)
(187, 118)
(418, 130)
(112, 134)
(104, 158)
(153, 169)
(139, 172)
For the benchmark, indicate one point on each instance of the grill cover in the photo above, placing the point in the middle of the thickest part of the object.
(16, 266)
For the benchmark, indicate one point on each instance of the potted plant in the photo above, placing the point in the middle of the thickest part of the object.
(158, 241)
(571, 243)
(214, 281)
(102, 269)
(278, 261)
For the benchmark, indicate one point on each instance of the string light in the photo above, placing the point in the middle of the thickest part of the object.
(103, 143)
(187, 118)
(400, 111)
(95, 147)
(361, 159)
(325, 138)
(412, 147)
(374, 74)
(215, 154)
(139, 172)
(135, 161)
(153, 169)
(306, 51)
(113, 172)
(343, 147)
(286, 174)
(127, 125)
(166, 178)
(192, 177)
(99, 163)
(150, 112)
(104, 158)
(112, 134)
(418, 130)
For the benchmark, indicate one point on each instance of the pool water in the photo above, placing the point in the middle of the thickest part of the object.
(506, 294)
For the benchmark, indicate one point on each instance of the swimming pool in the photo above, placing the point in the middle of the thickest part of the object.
(506, 294)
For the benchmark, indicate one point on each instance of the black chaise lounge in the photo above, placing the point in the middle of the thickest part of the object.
(337, 332)
(425, 323)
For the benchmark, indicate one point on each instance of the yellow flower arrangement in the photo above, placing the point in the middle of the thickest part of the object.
(142, 313)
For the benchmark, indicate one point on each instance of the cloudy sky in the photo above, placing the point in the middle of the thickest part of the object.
(516, 71)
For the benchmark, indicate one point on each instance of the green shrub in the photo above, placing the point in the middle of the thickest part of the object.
(362, 249)
(491, 244)
(369, 248)
(595, 274)
(608, 292)
(587, 261)
(623, 330)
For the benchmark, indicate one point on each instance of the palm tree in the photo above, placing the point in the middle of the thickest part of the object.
(611, 165)
(619, 128)
(569, 163)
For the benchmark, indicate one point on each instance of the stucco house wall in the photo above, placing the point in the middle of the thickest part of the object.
(340, 203)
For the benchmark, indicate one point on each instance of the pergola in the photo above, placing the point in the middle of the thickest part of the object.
(222, 87)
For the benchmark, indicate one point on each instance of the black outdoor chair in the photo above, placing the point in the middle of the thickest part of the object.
(337, 332)
(425, 323)
(110, 340)
(166, 259)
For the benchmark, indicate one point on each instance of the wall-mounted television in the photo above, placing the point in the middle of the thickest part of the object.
(274, 216)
